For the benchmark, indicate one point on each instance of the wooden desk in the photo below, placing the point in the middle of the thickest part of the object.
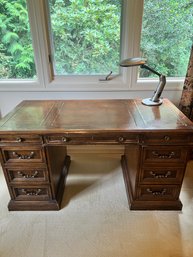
(34, 136)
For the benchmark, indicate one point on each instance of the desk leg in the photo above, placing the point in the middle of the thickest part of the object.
(62, 180)
(58, 166)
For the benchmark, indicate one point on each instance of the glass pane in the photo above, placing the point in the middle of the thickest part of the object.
(16, 52)
(86, 36)
(167, 36)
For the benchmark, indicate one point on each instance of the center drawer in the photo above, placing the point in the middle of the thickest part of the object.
(78, 139)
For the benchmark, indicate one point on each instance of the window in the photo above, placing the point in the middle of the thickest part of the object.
(167, 36)
(85, 36)
(16, 52)
(78, 42)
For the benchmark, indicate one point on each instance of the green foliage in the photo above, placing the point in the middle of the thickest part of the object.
(16, 53)
(86, 35)
(167, 36)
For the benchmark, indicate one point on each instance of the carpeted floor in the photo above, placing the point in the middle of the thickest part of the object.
(95, 220)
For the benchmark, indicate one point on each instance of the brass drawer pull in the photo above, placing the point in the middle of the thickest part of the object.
(157, 175)
(19, 139)
(157, 193)
(163, 156)
(65, 139)
(121, 139)
(31, 192)
(22, 156)
(167, 138)
(20, 173)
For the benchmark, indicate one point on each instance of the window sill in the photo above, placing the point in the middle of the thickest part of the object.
(116, 85)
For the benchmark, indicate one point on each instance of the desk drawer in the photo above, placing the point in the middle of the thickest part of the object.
(20, 139)
(23, 154)
(27, 175)
(158, 192)
(27, 193)
(164, 154)
(163, 174)
(78, 139)
(166, 138)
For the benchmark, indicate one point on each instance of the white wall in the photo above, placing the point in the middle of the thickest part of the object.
(8, 100)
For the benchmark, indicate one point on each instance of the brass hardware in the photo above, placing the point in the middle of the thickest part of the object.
(157, 193)
(31, 192)
(156, 175)
(167, 138)
(19, 139)
(108, 77)
(22, 156)
(20, 173)
(163, 156)
(121, 139)
(64, 139)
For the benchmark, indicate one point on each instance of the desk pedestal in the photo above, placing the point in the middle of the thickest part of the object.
(153, 176)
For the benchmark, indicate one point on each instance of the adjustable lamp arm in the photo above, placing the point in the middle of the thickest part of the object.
(155, 99)
(150, 69)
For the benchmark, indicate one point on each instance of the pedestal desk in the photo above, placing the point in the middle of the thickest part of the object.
(158, 143)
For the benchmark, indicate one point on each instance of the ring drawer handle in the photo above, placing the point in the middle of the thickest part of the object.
(20, 173)
(22, 156)
(163, 156)
(157, 175)
(157, 193)
(31, 192)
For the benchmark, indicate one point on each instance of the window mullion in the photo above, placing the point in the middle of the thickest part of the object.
(36, 10)
(131, 31)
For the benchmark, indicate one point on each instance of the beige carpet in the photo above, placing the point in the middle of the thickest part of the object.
(95, 220)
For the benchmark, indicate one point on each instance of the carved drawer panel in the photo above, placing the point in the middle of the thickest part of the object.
(20, 139)
(166, 138)
(23, 154)
(163, 154)
(27, 175)
(158, 192)
(29, 193)
(163, 174)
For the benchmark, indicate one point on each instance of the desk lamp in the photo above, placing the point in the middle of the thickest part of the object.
(155, 99)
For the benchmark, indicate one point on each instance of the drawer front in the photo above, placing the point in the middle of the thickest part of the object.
(28, 175)
(163, 154)
(166, 138)
(28, 193)
(22, 154)
(158, 193)
(108, 138)
(159, 175)
(20, 139)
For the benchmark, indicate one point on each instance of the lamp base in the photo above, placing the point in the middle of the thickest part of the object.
(149, 102)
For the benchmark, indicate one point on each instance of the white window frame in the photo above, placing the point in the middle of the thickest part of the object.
(130, 46)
